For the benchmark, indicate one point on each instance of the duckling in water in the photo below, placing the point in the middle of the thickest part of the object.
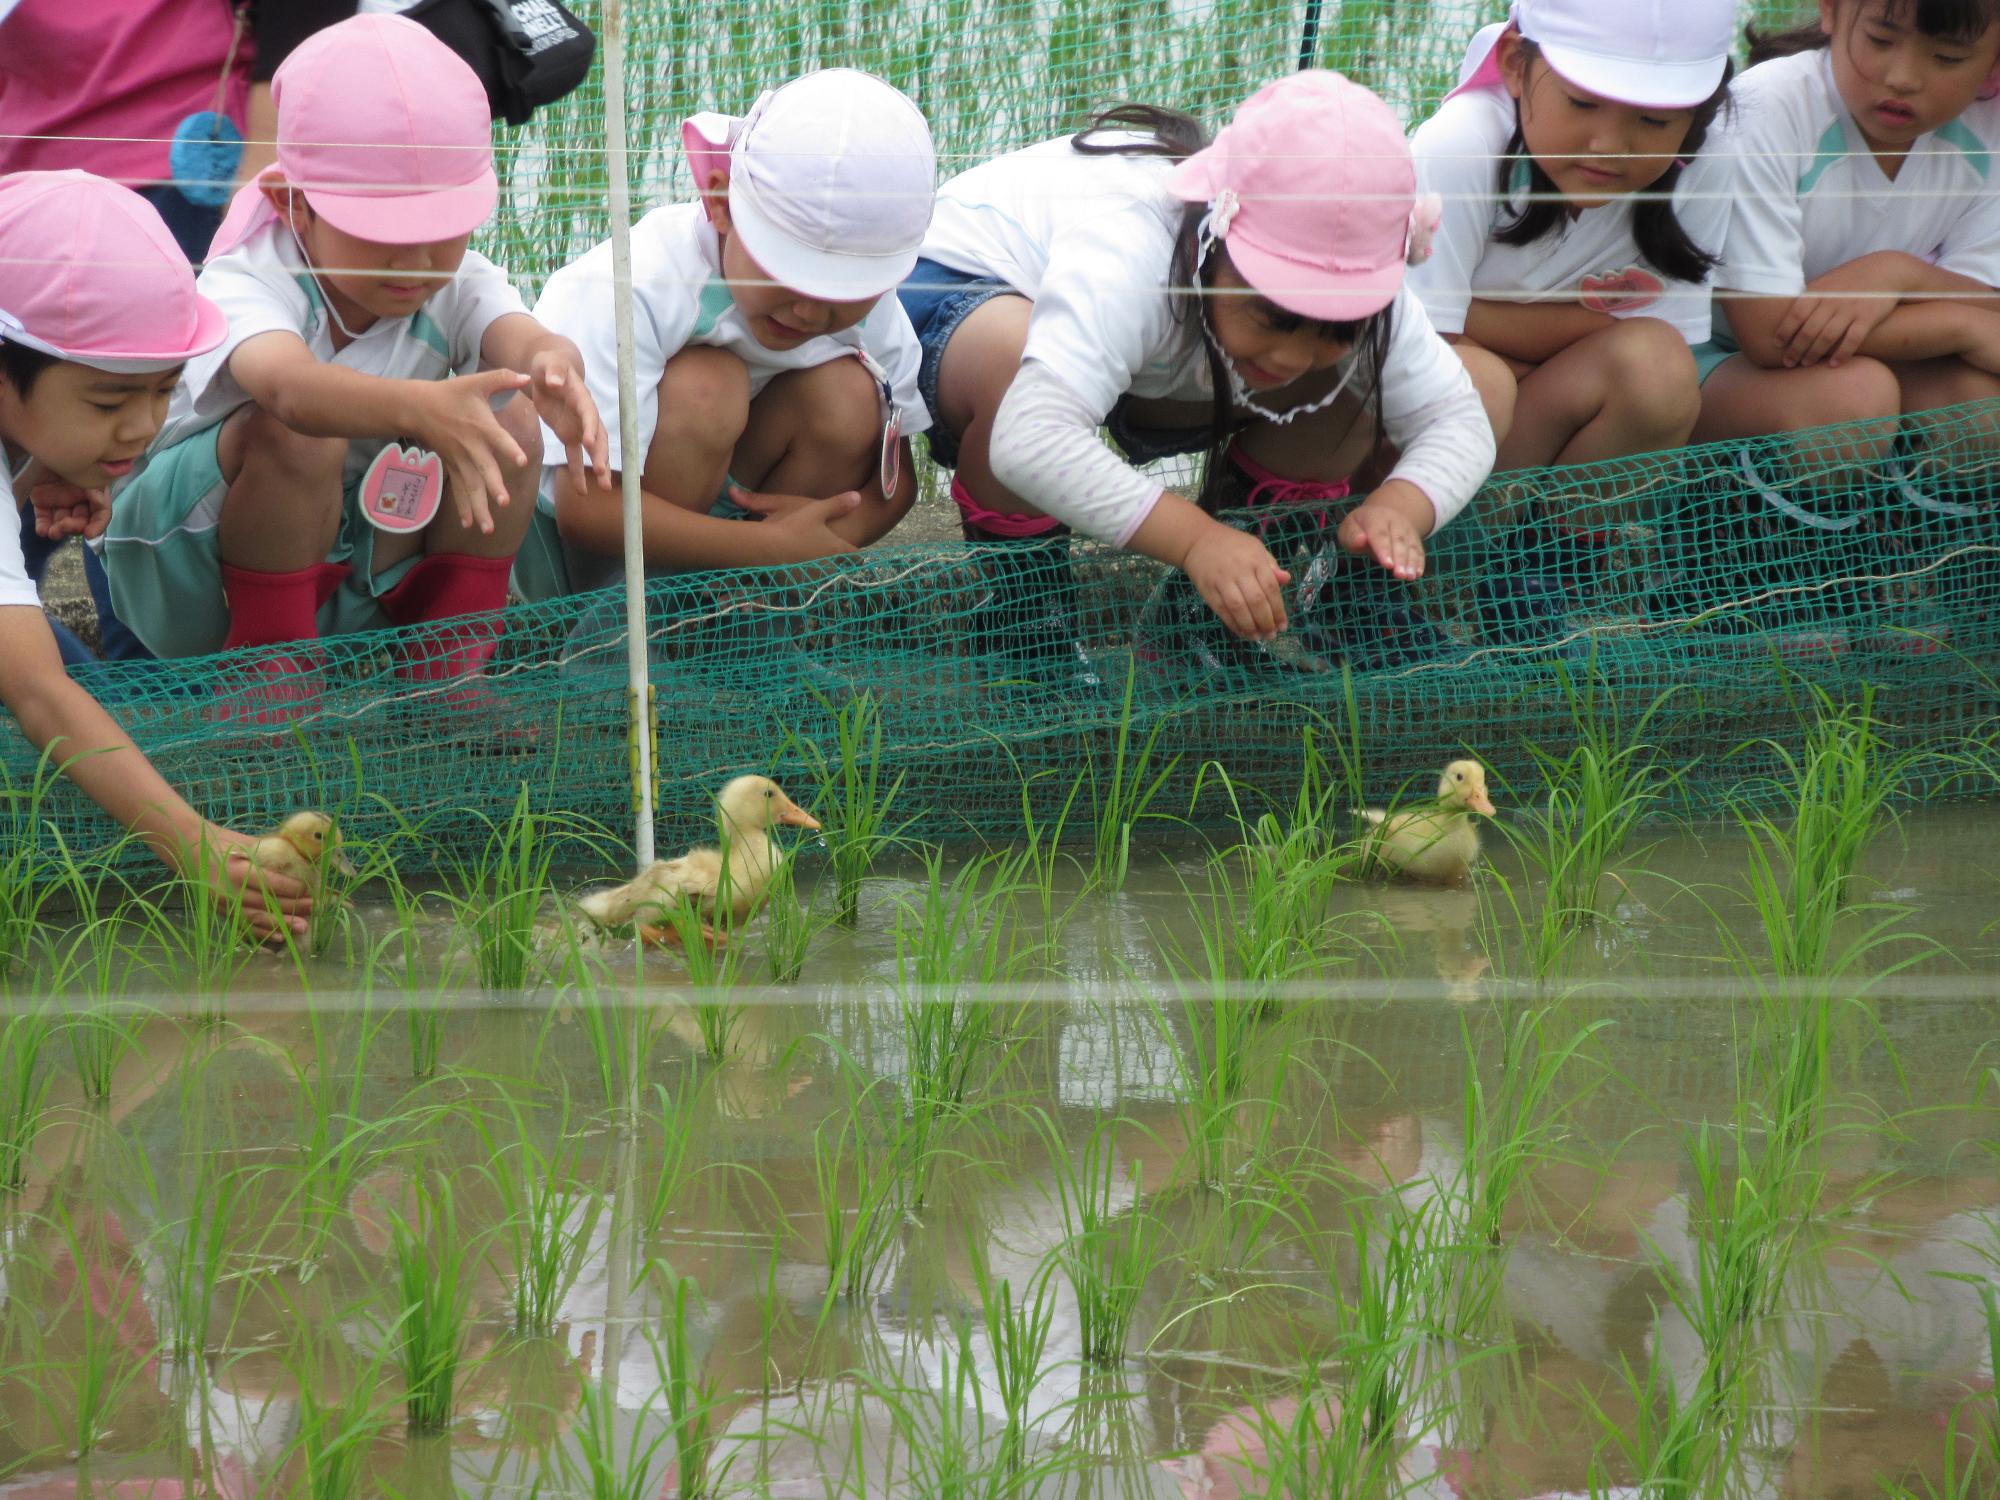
(1435, 845)
(746, 810)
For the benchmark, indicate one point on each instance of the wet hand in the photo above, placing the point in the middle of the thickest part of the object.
(455, 420)
(1239, 579)
(1381, 531)
(564, 402)
(64, 510)
(276, 908)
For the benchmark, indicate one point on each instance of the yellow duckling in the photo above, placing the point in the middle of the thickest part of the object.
(746, 810)
(1435, 845)
(304, 847)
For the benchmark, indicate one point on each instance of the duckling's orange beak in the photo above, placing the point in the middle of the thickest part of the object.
(795, 815)
(1480, 803)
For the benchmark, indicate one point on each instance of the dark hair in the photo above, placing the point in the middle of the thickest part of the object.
(1655, 225)
(1171, 134)
(1949, 20)
(23, 366)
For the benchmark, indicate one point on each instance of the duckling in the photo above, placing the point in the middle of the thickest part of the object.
(746, 810)
(304, 847)
(1435, 845)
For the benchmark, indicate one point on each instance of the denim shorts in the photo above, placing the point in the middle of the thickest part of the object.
(938, 299)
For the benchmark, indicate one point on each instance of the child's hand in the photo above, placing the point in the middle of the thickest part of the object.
(563, 401)
(1240, 580)
(1828, 325)
(454, 418)
(801, 529)
(274, 906)
(1379, 530)
(62, 510)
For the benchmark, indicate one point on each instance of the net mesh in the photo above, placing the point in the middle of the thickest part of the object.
(1716, 586)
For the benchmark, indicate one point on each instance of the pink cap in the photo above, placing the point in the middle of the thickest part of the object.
(387, 131)
(1312, 189)
(1658, 54)
(88, 272)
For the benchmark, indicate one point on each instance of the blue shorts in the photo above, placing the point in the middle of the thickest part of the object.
(938, 299)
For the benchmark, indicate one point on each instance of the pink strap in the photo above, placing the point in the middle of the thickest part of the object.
(706, 138)
(998, 522)
(1271, 488)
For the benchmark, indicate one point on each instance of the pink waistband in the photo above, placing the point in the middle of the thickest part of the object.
(1000, 523)
(1268, 488)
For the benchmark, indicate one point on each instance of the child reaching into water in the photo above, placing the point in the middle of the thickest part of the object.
(1865, 245)
(777, 379)
(1583, 258)
(98, 313)
(1244, 297)
(357, 319)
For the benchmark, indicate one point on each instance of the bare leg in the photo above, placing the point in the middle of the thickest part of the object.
(282, 509)
(1630, 388)
(817, 433)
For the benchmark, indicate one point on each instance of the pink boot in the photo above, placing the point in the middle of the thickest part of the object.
(274, 609)
(460, 597)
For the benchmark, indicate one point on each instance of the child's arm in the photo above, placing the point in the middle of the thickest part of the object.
(1841, 314)
(454, 417)
(1532, 333)
(57, 715)
(554, 368)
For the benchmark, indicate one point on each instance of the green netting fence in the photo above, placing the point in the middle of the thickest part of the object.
(1720, 585)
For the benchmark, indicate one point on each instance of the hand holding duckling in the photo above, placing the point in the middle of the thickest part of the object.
(286, 869)
(1435, 845)
(746, 810)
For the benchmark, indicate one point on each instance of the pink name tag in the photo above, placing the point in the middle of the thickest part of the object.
(402, 489)
(891, 466)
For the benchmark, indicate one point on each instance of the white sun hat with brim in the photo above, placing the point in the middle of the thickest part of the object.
(1658, 54)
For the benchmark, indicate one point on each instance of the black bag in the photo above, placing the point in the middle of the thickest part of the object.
(527, 52)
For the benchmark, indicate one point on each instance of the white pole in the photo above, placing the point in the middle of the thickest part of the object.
(633, 460)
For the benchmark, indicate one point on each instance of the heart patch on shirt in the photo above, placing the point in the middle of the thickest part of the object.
(1623, 291)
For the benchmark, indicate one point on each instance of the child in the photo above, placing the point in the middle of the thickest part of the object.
(1865, 244)
(98, 312)
(1583, 258)
(1243, 297)
(774, 374)
(354, 306)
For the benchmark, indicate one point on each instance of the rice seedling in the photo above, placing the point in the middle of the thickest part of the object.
(940, 1423)
(859, 1197)
(1017, 1338)
(693, 1402)
(83, 1395)
(336, 1139)
(403, 951)
(592, 1457)
(790, 925)
(1677, 1447)
(1838, 793)
(24, 1091)
(99, 1037)
(340, 1420)
(1215, 1052)
(1308, 1445)
(501, 891)
(1383, 1327)
(673, 1132)
(1107, 1252)
(856, 805)
(192, 1250)
(431, 1300)
(1126, 797)
(1517, 1122)
(549, 1212)
(203, 945)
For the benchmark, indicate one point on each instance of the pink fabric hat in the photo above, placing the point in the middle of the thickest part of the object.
(831, 181)
(88, 272)
(1312, 189)
(386, 130)
(1662, 54)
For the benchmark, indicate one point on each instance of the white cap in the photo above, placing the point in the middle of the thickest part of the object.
(831, 182)
(1660, 54)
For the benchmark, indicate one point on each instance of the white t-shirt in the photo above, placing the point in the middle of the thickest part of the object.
(263, 286)
(678, 299)
(15, 585)
(1090, 239)
(1594, 259)
(1813, 197)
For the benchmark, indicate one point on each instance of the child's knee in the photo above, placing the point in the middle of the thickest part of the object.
(1957, 383)
(1650, 371)
(253, 435)
(1862, 390)
(705, 399)
(1497, 387)
(521, 422)
(841, 408)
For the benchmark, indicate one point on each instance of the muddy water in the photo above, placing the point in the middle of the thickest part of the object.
(281, 1143)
